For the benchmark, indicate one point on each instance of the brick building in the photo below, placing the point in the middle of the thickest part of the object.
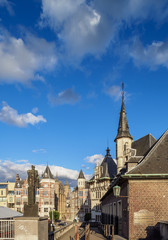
(51, 195)
(143, 180)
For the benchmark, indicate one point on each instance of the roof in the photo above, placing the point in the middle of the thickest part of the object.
(47, 173)
(81, 175)
(134, 159)
(8, 213)
(109, 166)
(155, 161)
(143, 144)
(123, 128)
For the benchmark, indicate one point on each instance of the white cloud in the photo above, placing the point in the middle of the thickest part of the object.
(153, 55)
(96, 158)
(35, 110)
(22, 60)
(67, 96)
(88, 27)
(8, 5)
(9, 170)
(41, 150)
(114, 92)
(10, 116)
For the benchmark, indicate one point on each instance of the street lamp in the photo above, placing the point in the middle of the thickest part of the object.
(116, 190)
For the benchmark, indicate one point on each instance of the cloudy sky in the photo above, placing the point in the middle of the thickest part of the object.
(62, 63)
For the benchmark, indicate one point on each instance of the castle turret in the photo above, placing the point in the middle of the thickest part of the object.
(123, 139)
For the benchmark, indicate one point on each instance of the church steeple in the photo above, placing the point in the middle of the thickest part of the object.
(123, 139)
(123, 128)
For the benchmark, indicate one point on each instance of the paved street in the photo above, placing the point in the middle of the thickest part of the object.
(94, 235)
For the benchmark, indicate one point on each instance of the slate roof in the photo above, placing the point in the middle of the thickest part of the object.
(47, 173)
(123, 128)
(109, 166)
(81, 175)
(6, 213)
(143, 144)
(155, 161)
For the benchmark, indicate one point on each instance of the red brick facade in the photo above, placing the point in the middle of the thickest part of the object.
(150, 195)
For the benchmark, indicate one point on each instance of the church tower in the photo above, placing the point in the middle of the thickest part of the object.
(123, 139)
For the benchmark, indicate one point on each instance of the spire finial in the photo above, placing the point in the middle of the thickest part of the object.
(122, 91)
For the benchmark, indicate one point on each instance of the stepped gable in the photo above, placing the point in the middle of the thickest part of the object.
(109, 166)
(143, 144)
(47, 173)
(155, 161)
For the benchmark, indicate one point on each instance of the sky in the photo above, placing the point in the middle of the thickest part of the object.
(62, 64)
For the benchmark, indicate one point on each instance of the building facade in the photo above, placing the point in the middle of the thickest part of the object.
(99, 184)
(7, 194)
(80, 199)
(142, 178)
(51, 195)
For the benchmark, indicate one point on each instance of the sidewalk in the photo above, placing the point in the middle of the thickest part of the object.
(96, 235)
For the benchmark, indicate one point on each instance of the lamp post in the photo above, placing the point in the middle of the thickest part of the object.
(116, 191)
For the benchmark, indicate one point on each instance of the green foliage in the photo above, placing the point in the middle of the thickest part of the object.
(87, 217)
(55, 215)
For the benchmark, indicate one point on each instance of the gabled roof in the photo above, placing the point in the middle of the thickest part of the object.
(109, 166)
(123, 128)
(47, 173)
(143, 144)
(81, 175)
(155, 161)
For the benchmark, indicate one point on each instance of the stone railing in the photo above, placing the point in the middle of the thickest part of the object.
(58, 233)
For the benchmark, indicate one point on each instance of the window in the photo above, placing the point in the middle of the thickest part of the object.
(18, 201)
(45, 209)
(37, 192)
(17, 192)
(24, 192)
(45, 193)
(86, 193)
(1, 192)
(81, 193)
(2, 199)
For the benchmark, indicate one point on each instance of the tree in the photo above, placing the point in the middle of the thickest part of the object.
(55, 215)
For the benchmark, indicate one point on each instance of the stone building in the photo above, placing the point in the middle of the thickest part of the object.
(99, 184)
(143, 181)
(80, 199)
(7, 194)
(62, 199)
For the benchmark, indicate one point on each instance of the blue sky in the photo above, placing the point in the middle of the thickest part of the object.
(61, 68)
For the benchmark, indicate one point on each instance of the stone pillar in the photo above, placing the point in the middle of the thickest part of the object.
(31, 228)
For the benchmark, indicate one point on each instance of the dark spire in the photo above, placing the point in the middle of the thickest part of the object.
(81, 175)
(123, 128)
(108, 151)
(47, 173)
